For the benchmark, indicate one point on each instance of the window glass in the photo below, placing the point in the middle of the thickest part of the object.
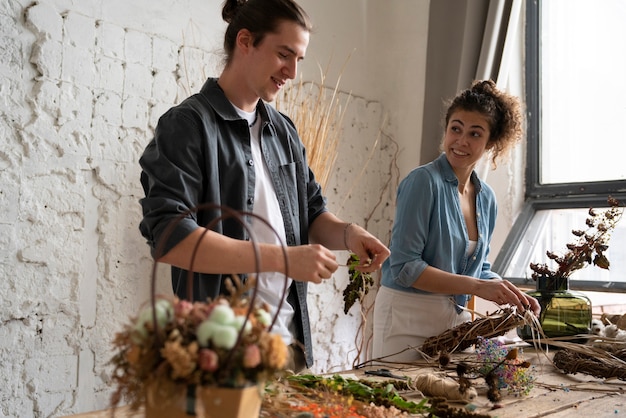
(582, 90)
(551, 230)
(575, 90)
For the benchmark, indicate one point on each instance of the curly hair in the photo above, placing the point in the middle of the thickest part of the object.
(503, 112)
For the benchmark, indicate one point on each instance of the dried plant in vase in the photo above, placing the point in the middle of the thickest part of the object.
(589, 248)
(566, 313)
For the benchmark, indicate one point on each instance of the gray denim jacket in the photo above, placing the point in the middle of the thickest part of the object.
(201, 154)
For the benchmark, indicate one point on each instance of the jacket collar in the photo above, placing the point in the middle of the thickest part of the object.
(223, 107)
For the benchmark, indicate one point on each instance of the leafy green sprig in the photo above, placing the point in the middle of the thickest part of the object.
(359, 284)
(379, 393)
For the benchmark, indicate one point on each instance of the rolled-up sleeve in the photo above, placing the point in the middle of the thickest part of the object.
(411, 226)
(430, 229)
(172, 181)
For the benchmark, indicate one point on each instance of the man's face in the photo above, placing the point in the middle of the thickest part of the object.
(275, 60)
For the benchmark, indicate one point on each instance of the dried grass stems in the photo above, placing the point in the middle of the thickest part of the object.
(318, 116)
(361, 341)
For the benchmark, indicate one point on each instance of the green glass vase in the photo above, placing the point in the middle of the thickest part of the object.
(564, 313)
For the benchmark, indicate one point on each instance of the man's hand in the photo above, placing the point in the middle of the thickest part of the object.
(311, 263)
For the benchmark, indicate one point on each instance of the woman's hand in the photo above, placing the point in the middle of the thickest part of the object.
(504, 292)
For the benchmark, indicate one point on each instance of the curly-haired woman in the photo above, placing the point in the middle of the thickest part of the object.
(444, 221)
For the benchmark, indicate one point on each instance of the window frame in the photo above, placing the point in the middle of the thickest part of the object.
(549, 196)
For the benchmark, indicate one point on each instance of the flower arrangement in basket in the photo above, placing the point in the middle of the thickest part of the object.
(175, 350)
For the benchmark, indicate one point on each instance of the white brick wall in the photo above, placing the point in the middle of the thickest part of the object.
(80, 93)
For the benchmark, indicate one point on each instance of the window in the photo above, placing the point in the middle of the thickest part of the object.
(575, 98)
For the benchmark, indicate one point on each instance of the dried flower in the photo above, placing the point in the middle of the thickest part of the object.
(273, 350)
(252, 356)
(589, 248)
(182, 359)
(183, 309)
(503, 368)
(208, 360)
(220, 342)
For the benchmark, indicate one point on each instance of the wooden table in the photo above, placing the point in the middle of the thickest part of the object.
(555, 394)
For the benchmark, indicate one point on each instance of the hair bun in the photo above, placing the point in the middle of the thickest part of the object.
(231, 8)
(483, 86)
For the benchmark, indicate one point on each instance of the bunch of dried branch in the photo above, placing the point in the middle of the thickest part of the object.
(607, 362)
(467, 334)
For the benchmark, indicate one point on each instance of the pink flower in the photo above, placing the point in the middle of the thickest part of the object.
(183, 308)
(208, 360)
(199, 312)
(252, 356)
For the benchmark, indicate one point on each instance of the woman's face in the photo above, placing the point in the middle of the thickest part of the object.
(466, 138)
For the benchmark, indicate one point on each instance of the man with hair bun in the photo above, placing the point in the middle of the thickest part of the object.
(225, 145)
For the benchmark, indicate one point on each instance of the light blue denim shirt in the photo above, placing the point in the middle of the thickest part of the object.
(429, 229)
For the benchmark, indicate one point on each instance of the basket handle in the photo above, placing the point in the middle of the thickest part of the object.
(226, 213)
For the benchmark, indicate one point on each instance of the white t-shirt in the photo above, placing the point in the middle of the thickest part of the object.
(270, 285)
(472, 247)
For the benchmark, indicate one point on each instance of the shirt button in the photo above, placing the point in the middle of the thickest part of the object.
(250, 200)
(250, 163)
(474, 258)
